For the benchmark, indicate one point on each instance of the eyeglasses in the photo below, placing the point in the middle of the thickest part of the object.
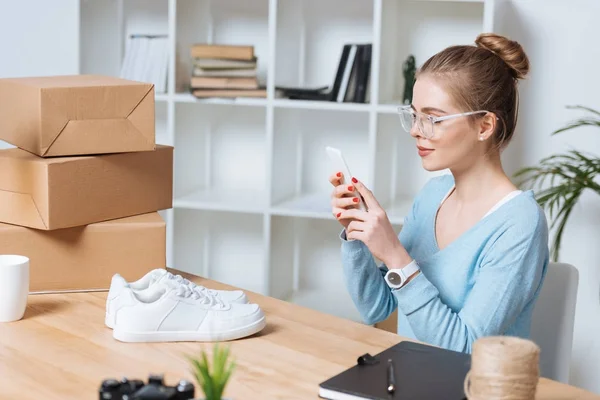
(426, 122)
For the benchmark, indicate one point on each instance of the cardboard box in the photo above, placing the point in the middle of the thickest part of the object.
(54, 193)
(86, 257)
(77, 115)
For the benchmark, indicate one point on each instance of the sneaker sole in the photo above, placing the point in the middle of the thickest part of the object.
(109, 321)
(190, 336)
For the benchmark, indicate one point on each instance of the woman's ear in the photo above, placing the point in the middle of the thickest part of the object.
(487, 126)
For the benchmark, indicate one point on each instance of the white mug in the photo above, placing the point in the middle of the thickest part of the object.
(14, 286)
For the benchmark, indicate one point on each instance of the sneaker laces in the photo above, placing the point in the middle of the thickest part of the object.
(205, 298)
(181, 280)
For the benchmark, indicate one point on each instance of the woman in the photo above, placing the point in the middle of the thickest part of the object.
(474, 248)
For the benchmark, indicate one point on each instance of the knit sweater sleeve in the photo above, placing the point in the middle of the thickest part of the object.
(365, 280)
(510, 274)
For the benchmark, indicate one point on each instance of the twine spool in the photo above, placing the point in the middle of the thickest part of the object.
(503, 368)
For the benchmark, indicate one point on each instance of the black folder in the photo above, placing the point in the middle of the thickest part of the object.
(421, 372)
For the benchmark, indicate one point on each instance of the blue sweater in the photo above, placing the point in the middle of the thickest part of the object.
(484, 283)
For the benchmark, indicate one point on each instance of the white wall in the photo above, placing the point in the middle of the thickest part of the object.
(38, 37)
(561, 39)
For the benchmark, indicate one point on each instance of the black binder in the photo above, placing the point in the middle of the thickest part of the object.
(421, 373)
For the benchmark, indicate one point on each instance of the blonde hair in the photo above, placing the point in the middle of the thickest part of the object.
(483, 77)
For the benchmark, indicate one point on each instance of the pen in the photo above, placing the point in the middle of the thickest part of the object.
(391, 380)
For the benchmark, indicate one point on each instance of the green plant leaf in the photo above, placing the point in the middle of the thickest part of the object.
(212, 379)
(580, 107)
(589, 121)
(559, 180)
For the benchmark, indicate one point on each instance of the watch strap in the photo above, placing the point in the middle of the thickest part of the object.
(404, 273)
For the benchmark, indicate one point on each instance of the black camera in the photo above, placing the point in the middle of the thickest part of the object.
(135, 389)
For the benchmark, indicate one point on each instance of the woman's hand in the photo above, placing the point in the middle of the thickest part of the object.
(343, 197)
(374, 229)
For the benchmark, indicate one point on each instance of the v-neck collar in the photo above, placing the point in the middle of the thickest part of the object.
(494, 210)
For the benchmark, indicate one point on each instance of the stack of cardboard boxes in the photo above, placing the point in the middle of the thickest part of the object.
(79, 195)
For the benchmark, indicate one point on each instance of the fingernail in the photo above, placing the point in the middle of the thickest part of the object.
(338, 215)
(350, 188)
(355, 199)
(339, 174)
(354, 180)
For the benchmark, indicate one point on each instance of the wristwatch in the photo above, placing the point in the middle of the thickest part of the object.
(396, 278)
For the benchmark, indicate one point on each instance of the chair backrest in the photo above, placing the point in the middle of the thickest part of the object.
(553, 319)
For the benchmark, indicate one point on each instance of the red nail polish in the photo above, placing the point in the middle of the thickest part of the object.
(355, 199)
(354, 180)
(339, 174)
(338, 215)
(350, 188)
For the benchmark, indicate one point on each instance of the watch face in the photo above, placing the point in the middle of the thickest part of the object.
(394, 278)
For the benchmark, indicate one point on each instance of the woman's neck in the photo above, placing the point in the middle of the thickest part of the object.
(481, 180)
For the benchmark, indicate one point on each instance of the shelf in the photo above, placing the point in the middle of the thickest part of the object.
(307, 266)
(241, 163)
(221, 22)
(300, 162)
(388, 109)
(421, 28)
(161, 131)
(242, 201)
(161, 97)
(333, 301)
(320, 105)
(311, 35)
(105, 29)
(315, 205)
(220, 157)
(227, 247)
(240, 101)
(450, 1)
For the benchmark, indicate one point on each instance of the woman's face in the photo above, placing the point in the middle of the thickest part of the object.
(455, 143)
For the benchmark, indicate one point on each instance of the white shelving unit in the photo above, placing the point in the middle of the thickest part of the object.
(251, 196)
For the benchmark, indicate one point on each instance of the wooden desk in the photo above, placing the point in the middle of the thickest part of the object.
(62, 350)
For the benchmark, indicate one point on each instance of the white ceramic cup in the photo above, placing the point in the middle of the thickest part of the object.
(14, 286)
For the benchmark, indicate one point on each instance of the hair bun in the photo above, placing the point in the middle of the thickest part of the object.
(508, 50)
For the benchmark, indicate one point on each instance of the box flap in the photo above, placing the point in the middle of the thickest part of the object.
(98, 136)
(139, 117)
(23, 205)
(22, 183)
(64, 109)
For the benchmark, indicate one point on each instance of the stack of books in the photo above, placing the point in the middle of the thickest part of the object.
(225, 71)
(80, 193)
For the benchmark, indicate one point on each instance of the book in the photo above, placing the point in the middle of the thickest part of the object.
(146, 59)
(247, 73)
(420, 371)
(222, 51)
(229, 93)
(215, 82)
(219, 63)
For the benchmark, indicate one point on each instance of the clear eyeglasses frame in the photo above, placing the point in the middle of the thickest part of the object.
(426, 122)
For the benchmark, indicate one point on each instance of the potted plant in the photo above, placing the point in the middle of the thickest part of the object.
(212, 379)
(568, 175)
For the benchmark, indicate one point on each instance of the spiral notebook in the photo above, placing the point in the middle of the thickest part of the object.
(420, 372)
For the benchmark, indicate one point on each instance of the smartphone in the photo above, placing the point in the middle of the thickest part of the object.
(339, 164)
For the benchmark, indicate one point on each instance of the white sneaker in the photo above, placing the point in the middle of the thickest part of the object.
(177, 313)
(162, 276)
